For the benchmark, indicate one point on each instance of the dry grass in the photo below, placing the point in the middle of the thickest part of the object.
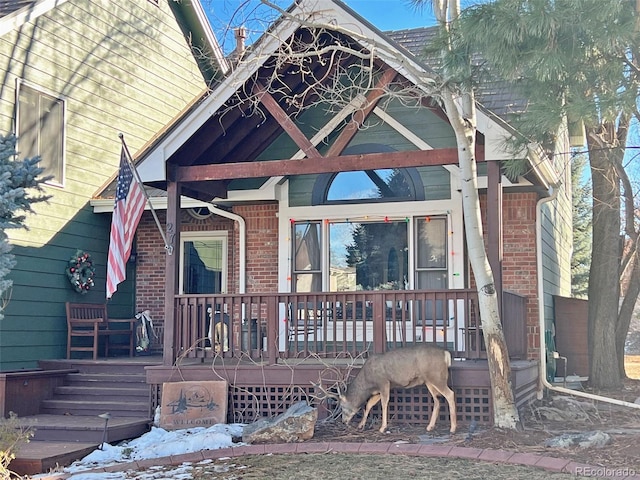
(632, 366)
(353, 466)
(621, 423)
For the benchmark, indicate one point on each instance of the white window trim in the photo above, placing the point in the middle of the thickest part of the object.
(223, 236)
(451, 208)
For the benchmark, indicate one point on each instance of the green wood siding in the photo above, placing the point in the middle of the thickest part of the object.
(422, 122)
(120, 67)
(557, 246)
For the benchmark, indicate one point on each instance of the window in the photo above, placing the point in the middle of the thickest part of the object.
(204, 262)
(368, 186)
(368, 256)
(371, 255)
(384, 184)
(307, 270)
(431, 253)
(40, 130)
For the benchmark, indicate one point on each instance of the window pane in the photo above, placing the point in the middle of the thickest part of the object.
(307, 257)
(28, 106)
(369, 184)
(307, 282)
(432, 280)
(307, 246)
(432, 243)
(368, 256)
(203, 266)
(51, 138)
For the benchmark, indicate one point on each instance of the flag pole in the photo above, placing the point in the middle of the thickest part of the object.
(167, 247)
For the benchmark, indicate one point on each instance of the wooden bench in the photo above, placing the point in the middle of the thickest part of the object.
(90, 321)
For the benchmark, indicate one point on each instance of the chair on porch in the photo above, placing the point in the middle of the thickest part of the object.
(304, 322)
(218, 330)
(89, 322)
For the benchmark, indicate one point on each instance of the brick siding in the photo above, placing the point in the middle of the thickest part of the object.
(519, 260)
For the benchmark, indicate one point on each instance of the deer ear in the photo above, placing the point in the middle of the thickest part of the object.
(342, 398)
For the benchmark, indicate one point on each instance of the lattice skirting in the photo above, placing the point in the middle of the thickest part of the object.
(268, 391)
(407, 406)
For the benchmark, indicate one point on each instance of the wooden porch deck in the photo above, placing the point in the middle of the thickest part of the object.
(256, 389)
(273, 326)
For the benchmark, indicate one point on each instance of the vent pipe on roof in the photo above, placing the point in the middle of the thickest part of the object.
(241, 35)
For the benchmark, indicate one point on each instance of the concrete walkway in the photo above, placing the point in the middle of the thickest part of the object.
(551, 464)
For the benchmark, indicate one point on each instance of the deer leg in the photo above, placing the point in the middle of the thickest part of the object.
(370, 404)
(450, 397)
(384, 396)
(435, 413)
(451, 401)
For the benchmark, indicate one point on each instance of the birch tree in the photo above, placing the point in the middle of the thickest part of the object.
(459, 102)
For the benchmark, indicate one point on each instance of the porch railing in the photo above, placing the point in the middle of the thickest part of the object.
(289, 325)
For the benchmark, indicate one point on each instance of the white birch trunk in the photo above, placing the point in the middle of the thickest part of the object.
(461, 114)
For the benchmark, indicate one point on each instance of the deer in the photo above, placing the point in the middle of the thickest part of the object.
(404, 367)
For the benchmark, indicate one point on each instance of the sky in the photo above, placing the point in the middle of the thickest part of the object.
(155, 444)
(383, 14)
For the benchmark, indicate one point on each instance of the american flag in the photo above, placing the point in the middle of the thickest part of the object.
(128, 208)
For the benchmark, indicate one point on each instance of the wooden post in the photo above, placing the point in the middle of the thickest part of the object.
(379, 325)
(273, 325)
(171, 268)
(494, 226)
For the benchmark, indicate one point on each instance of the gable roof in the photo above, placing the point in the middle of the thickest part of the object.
(200, 121)
(492, 94)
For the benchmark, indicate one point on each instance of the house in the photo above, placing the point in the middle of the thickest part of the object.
(300, 226)
(75, 74)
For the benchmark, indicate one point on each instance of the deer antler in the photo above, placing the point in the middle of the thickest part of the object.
(324, 392)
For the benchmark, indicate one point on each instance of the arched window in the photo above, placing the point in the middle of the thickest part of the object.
(366, 186)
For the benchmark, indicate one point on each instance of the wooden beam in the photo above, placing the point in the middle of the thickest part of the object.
(360, 116)
(285, 122)
(345, 163)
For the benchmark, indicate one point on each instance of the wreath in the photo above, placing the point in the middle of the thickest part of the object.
(81, 272)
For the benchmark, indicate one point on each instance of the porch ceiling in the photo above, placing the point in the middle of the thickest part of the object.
(228, 145)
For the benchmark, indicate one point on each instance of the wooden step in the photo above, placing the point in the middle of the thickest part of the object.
(42, 457)
(90, 379)
(120, 365)
(84, 428)
(68, 426)
(104, 393)
(123, 407)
